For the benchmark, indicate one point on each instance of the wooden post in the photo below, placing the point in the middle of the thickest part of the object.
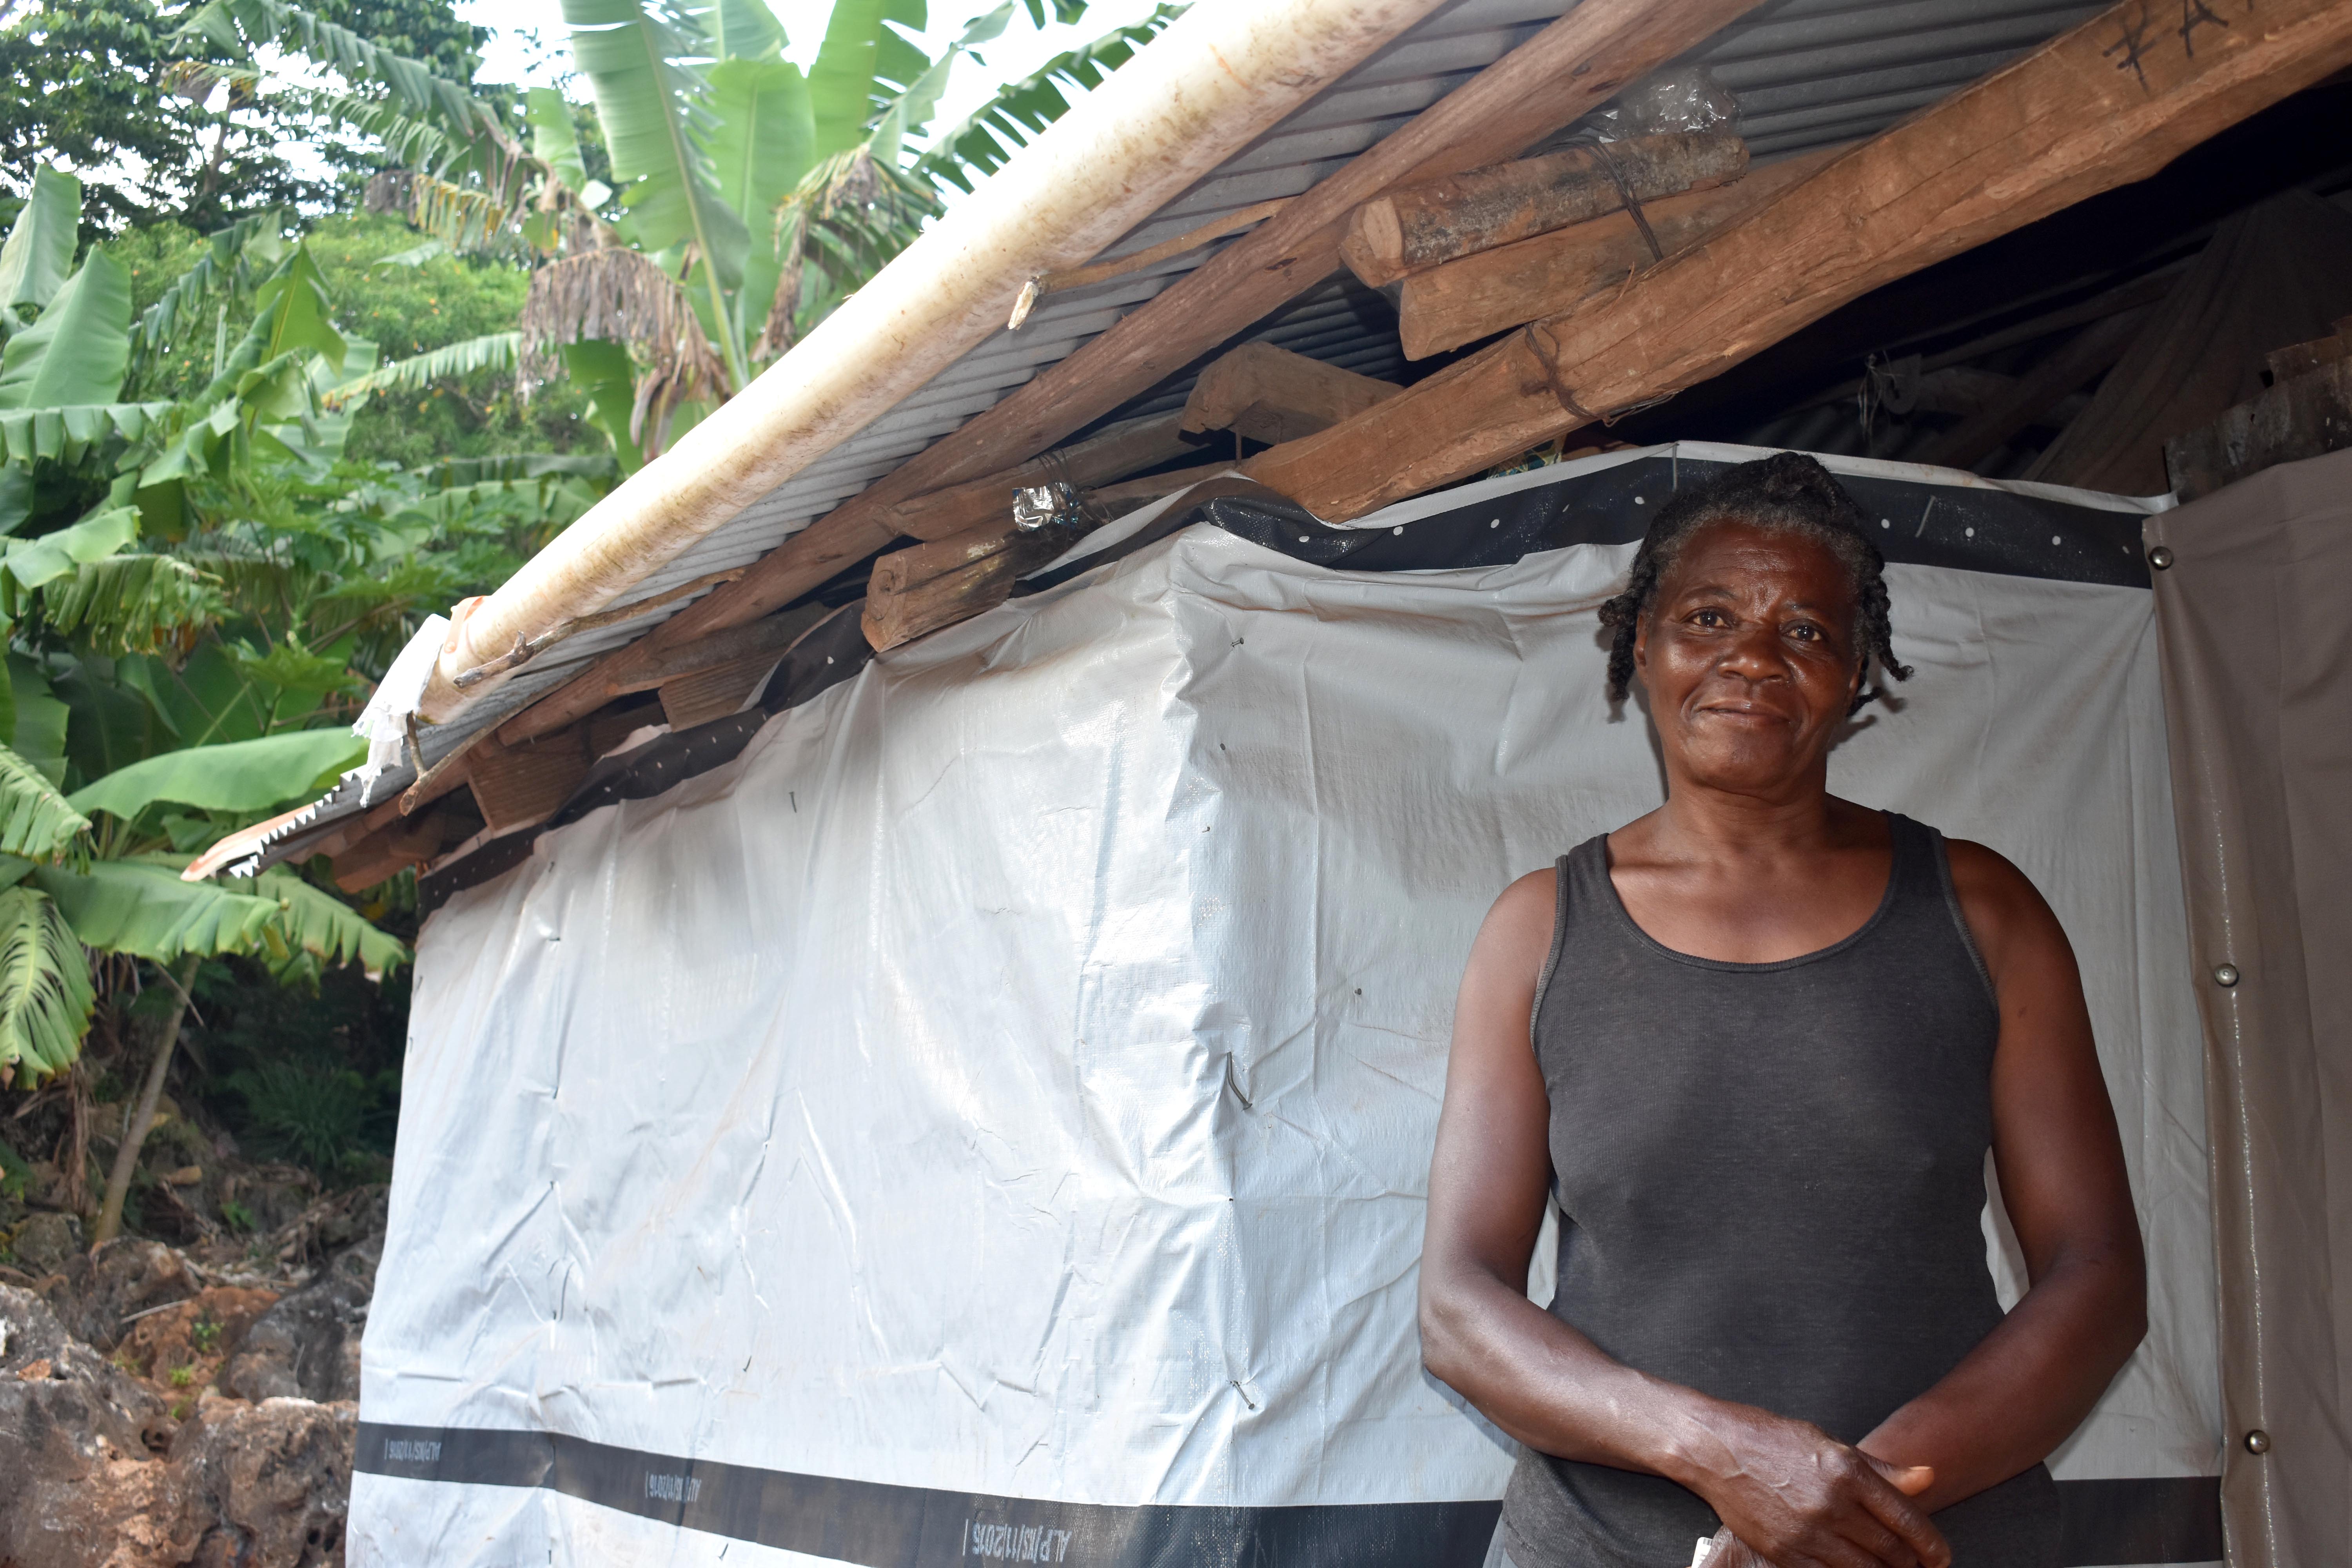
(1461, 215)
(1480, 295)
(1121, 450)
(2111, 102)
(521, 786)
(393, 847)
(2305, 415)
(1271, 395)
(716, 692)
(926, 587)
(902, 614)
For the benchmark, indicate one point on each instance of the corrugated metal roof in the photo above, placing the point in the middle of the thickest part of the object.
(1807, 73)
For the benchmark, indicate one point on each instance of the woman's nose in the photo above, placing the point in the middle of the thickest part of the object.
(1754, 653)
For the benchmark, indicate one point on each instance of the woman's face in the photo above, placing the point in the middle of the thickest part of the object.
(1747, 653)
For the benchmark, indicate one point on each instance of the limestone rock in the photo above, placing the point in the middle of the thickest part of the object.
(243, 1484)
(100, 1289)
(74, 1443)
(43, 1242)
(198, 1334)
(308, 1345)
(267, 1483)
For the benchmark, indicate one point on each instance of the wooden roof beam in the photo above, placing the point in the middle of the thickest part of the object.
(1564, 72)
(2111, 102)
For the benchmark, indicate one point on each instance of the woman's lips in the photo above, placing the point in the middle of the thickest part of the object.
(1742, 714)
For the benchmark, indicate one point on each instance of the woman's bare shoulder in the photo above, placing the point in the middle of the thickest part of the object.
(2006, 913)
(1518, 928)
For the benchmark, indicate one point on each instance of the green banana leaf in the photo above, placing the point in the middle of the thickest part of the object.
(64, 434)
(912, 110)
(602, 371)
(650, 108)
(230, 258)
(861, 67)
(45, 991)
(980, 143)
(207, 699)
(128, 604)
(497, 350)
(36, 823)
(766, 139)
(35, 561)
(315, 921)
(296, 309)
(744, 30)
(39, 252)
(89, 326)
(37, 728)
(234, 27)
(140, 906)
(108, 725)
(237, 775)
(16, 495)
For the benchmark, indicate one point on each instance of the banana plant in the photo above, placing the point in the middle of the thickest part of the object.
(747, 198)
(175, 653)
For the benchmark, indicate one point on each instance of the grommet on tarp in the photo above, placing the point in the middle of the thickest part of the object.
(2160, 557)
(2225, 975)
(2258, 1441)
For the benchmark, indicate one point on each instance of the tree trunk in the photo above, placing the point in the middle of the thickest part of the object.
(142, 1117)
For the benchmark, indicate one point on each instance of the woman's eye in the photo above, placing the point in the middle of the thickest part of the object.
(1805, 633)
(1708, 618)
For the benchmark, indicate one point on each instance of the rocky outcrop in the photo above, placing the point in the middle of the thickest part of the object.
(79, 1441)
(265, 1483)
(96, 1294)
(152, 1417)
(308, 1345)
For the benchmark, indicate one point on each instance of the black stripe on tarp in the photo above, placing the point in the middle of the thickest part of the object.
(878, 1525)
(883, 1526)
(1974, 527)
(828, 654)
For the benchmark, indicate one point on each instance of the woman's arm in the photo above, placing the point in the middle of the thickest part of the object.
(2020, 1392)
(1784, 1486)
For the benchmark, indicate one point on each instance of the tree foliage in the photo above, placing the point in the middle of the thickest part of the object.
(111, 87)
(197, 588)
(735, 201)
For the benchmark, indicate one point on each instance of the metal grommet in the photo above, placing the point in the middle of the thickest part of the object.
(2258, 1441)
(2225, 975)
(2160, 557)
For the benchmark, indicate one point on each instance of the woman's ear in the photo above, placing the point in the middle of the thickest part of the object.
(1642, 647)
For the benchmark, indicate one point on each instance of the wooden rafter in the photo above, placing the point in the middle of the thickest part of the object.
(2110, 102)
(1478, 296)
(1568, 69)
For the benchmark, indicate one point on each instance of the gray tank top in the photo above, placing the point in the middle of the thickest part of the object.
(1770, 1178)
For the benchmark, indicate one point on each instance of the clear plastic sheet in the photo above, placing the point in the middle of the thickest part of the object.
(1683, 98)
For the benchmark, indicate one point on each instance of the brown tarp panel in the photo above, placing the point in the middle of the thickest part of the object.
(2256, 644)
(2276, 274)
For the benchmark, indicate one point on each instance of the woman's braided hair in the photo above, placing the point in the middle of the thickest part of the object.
(1785, 493)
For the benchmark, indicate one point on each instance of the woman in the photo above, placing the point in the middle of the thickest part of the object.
(1773, 1035)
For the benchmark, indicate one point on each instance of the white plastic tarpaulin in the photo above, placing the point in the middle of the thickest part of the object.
(988, 1118)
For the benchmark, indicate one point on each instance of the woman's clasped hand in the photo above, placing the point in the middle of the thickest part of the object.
(1792, 1496)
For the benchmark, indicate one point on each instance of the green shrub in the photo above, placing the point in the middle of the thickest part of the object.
(327, 1118)
(15, 1174)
